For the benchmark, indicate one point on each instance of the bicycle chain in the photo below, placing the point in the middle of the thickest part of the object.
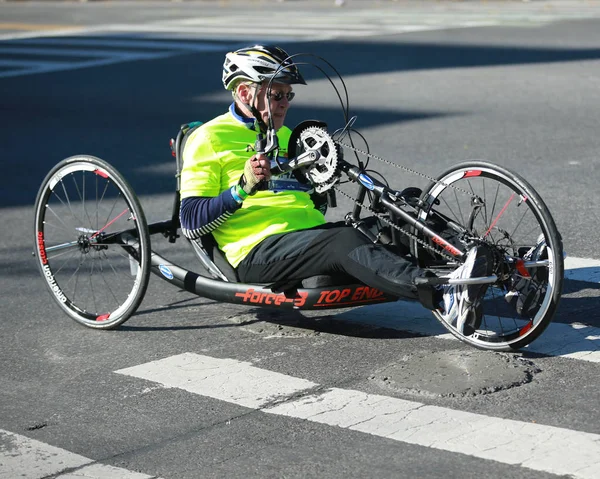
(386, 220)
(405, 168)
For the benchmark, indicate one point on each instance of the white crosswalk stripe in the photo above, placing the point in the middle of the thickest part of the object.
(21, 456)
(533, 446)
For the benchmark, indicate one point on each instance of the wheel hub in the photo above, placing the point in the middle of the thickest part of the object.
(84, 244)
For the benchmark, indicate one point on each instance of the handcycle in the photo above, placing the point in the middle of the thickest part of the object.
(94, 250)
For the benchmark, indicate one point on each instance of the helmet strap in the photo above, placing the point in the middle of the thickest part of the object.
(258, 121)
(268, 145)
(266, 138)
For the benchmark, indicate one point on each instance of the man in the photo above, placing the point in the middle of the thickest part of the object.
(277, 235)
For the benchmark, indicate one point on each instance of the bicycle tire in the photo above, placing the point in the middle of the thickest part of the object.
(97, 274)
(511, 220)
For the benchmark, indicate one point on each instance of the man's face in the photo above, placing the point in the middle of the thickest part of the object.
(278, 100)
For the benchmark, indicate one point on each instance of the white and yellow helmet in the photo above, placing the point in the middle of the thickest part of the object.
(259, 63)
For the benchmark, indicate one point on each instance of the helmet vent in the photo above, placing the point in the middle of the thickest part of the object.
(264, 70)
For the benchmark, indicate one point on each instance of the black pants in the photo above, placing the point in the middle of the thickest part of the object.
(331, 249)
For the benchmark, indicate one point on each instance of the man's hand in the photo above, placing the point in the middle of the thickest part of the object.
(256, 169)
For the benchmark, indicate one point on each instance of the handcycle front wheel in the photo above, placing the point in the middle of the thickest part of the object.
(498, 208)
(91, 242)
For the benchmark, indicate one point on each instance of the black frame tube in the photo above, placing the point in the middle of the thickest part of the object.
(383, 192)
(325, 297)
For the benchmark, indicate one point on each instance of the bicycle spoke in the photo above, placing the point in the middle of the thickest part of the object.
(509, 220)
(81, 209)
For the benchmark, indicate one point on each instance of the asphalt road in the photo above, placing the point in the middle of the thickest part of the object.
(432, 84)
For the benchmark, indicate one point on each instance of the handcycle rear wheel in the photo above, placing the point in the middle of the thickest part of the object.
(499, 208)
(91, 242)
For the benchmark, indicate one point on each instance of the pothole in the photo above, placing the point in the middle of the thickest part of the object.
(456, 373)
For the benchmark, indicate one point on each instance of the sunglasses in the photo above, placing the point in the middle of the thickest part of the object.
(278, 96)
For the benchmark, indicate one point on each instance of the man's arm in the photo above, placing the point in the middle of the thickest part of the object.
(201, 215)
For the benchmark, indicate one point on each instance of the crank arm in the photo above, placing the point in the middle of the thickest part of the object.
(305, 159)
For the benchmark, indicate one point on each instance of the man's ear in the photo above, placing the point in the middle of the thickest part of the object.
(244, 93)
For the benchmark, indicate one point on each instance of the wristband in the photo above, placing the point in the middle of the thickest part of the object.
(240, 192)
(236, 196)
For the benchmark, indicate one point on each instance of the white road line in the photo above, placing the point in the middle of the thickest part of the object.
(534, 446)
(45, 67)
(21, 456)
(225, 379)
(75, 52)
(167, 48)
(582, 269)
(32, 64)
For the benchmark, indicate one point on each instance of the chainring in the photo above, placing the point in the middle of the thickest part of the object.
(323, 172)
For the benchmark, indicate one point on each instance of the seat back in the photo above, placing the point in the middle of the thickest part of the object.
(178, 144)
(176, 151)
